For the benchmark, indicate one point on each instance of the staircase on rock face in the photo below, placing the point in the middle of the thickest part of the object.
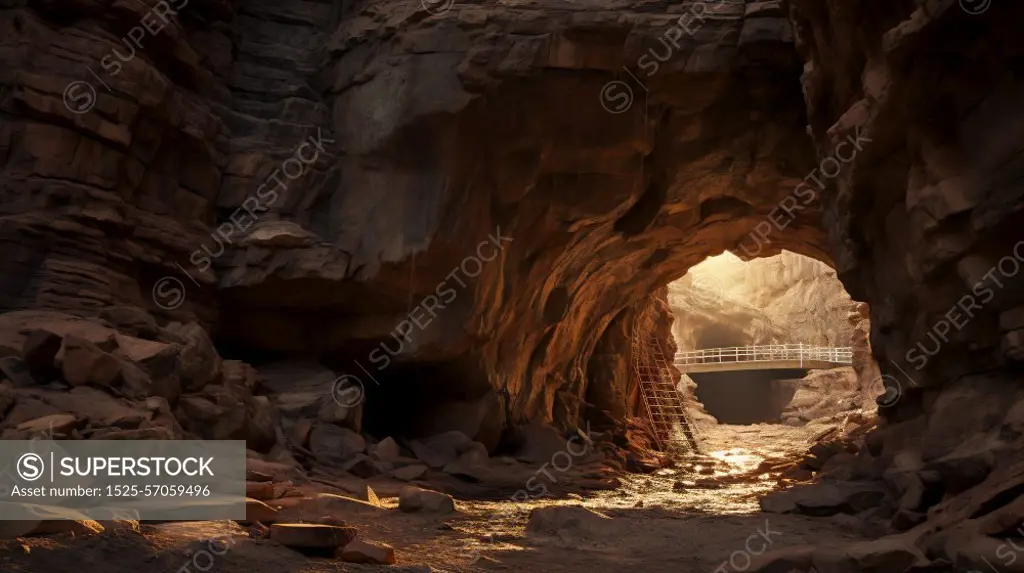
(672, 427)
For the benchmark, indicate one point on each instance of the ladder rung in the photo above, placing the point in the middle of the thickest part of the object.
(657, 379)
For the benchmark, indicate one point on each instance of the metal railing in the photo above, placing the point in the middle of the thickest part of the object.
(767, 353)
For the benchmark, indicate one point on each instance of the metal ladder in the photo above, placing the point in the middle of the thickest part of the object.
(672, 428)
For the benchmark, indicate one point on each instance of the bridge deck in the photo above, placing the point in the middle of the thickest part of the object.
(766, 357)
(759, 365)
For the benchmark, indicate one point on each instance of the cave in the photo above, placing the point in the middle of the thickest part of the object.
(410, 401)
(203, 241)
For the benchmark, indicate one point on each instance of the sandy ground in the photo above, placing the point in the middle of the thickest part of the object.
(693, 518)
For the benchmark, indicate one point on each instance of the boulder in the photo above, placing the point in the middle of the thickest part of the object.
(482, 419)
(571, 520)
(262, 424)
(334, 445)
(967, 465)
(299, 404)
(201, 415)
(369, 552)
(471, 464)
(825, 498)
(409, 473)
(227, 410)
(322, 506)
(308, 390)
(261, 490)
(310, 536)
(822, 452)
(539, 443)
(86, 363)
(51, 425)
(135, 384)
(95, 406)
(334, 411)
(840, 467)
(15, 370)
(198, 359)
(437, 451)
(300, 431)
(149, 368)
(281, 453)
(160, 416)
(385, 450)
(362, 466)
(414, 499)
(139, 350)
(27, 408)
(40, 352)
(905, 519)
(260, 470)
(258, 511)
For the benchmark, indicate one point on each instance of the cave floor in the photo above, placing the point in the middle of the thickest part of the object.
(690, 518)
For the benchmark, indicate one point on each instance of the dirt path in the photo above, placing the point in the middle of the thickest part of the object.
(691, 518)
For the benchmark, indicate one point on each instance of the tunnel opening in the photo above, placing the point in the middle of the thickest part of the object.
(770, 341)
(416, 400)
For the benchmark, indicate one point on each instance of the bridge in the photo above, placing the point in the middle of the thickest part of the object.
(767, 357)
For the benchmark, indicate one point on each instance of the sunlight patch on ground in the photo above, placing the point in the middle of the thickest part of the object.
(742, 459)
(724, 481)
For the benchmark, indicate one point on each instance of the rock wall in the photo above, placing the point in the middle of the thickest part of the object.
(829, 396)
(925, 226)
(926, 221)
(373, 186)
(437, 184)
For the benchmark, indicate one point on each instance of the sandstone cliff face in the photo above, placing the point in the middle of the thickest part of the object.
(300, 178)
(926, 222)
(785, 299)
(425, 135)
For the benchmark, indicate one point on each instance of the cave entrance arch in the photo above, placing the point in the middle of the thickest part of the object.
(780, 305)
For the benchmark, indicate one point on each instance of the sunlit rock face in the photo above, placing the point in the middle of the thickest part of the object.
(785, 299)
(374, 186)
